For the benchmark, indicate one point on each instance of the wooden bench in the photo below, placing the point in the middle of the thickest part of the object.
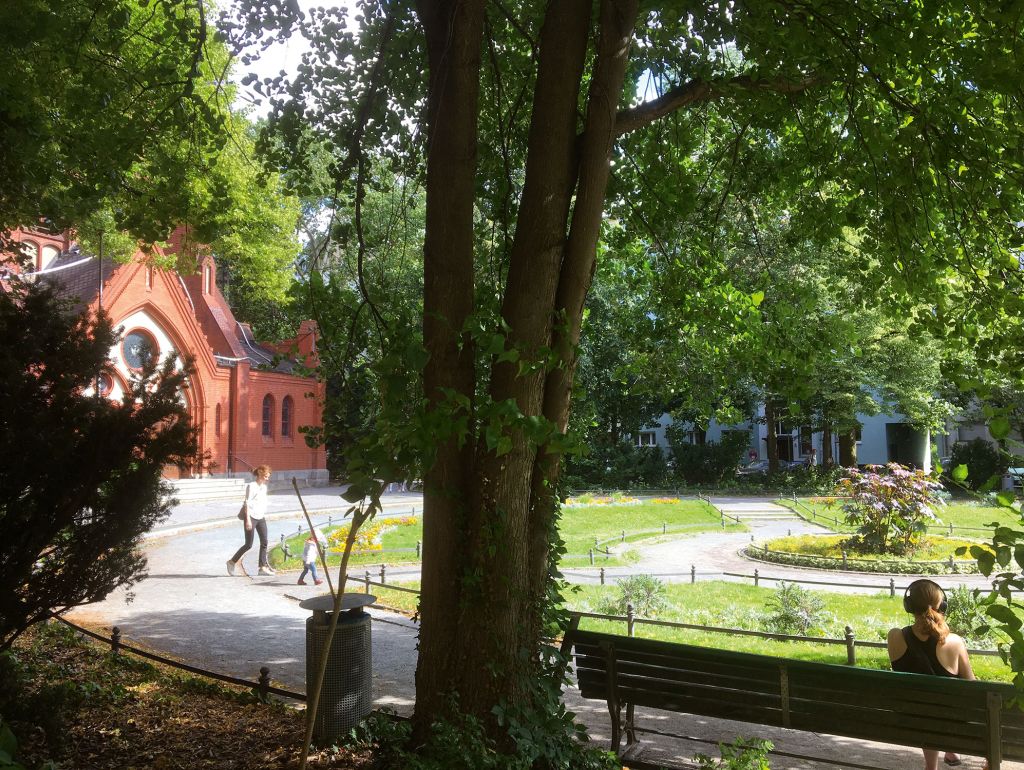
(973, 718)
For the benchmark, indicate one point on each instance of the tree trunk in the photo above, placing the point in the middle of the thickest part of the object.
(453, 31)
(772, 450)
(848, 448)
(827, 461)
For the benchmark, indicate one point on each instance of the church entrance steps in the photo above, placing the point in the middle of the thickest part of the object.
(195, 490)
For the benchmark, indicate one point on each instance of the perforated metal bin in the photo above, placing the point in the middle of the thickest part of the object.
(346, 696)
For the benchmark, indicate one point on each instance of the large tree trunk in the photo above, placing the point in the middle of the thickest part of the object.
(848, 448)
(453, 31)
(772, 439)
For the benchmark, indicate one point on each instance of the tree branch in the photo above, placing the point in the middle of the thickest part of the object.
(698, 90)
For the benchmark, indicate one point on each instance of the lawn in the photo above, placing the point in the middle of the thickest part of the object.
(931, 548)
(734, 605)
(579, 527)
(959, 514)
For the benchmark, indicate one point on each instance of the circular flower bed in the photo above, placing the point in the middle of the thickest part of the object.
(934, 556)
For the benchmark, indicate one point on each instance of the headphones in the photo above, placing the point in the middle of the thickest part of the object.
(943, 605)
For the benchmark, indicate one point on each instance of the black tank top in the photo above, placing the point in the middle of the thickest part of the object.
(920, 657)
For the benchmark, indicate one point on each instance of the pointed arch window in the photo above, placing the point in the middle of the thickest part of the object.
(268, 415)
(287, 411)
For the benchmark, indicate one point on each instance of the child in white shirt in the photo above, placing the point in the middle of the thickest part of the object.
(310, 555)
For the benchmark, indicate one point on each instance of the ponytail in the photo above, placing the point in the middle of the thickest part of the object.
(936, 622)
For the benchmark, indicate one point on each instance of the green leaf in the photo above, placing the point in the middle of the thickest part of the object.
(1004, 615)
(1006, 498)
(757, 298)
(959, 473)
(999, 427)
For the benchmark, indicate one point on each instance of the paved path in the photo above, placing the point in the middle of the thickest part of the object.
(189, 607)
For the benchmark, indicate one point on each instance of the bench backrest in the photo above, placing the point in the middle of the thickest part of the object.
(908, 709)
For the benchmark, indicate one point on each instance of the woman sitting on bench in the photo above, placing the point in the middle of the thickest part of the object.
(928, 646)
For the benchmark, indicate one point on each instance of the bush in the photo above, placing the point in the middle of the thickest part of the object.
(743, 754)
(793, 610)
(646, 593)
(983, 461)
(708, 463)
(619, 466)
(891, 507)
(964, 615)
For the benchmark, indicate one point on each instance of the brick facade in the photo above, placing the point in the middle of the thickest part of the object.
(245, 401)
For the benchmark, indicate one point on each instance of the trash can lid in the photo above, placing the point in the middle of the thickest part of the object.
(325, 602)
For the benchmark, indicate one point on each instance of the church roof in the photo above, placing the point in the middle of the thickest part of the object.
(78, 275)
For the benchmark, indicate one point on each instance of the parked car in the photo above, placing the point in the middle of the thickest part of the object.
(761, 466)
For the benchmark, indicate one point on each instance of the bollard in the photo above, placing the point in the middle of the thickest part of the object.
(591, 557)
(623, 536)
(115, 640)
(419, 549)
(693, 573)
(892, 587)
(851, 647)
(366, 578)
(629, 620)
(757, 578)
(844, 559)
(664, 528)
(264, 683)
(602, 575)
(383, 574)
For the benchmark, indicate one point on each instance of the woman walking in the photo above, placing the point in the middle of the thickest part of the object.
(255, 510)
(928, 647)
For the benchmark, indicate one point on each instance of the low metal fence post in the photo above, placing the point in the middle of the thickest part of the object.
(264, 683)
(951, 530)
(844, 559)
(789, 533)
(602, 575)
(330, 520)
(664, 528)
(383, 574)
(366, 579)
(757, 577)
(693, 573)
(623, 536)
(115, 641)
(952, 564)
(892, 587)
(419, 549)
(851, 647)
(282, 539)
(629, 619)
(591, 557)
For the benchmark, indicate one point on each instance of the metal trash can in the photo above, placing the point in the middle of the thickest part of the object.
(346, 696)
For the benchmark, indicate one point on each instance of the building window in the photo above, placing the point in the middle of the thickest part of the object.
(647, 438)
(697, 436)
(138, 349)
(286, 416)
(31, 252)
(268, 415)
(104, 384)
(50, 253)
(806, 439)
(216, 421)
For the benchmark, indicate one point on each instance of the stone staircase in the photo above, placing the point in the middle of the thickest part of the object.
(201, 490)
(755, 510)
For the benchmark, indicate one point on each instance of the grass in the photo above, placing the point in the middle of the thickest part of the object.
(734, 605)
(579, 526)
(959, 514)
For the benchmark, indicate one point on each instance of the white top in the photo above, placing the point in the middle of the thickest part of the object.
(256, 497)
(309, 552)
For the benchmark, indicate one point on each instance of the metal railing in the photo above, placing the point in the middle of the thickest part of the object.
(949, 529)
(261, 686)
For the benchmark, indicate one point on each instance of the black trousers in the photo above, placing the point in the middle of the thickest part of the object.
(259, 526)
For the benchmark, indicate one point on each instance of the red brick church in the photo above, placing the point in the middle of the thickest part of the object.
(244, 397)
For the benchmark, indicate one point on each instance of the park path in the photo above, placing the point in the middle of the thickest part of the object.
(191, 609)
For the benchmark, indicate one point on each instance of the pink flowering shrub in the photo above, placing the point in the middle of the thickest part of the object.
(890, 505)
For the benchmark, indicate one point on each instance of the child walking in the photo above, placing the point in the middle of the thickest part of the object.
(310, 554)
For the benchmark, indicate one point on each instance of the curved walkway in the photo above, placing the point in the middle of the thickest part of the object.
(190, 608)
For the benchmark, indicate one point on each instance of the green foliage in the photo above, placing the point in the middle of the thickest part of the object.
(620, 466)
(74, 515)
(793, 610)
(890, 507)
(646, 593)
(741, 754)
(984, 464)
(709, 463)
(964, 614)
